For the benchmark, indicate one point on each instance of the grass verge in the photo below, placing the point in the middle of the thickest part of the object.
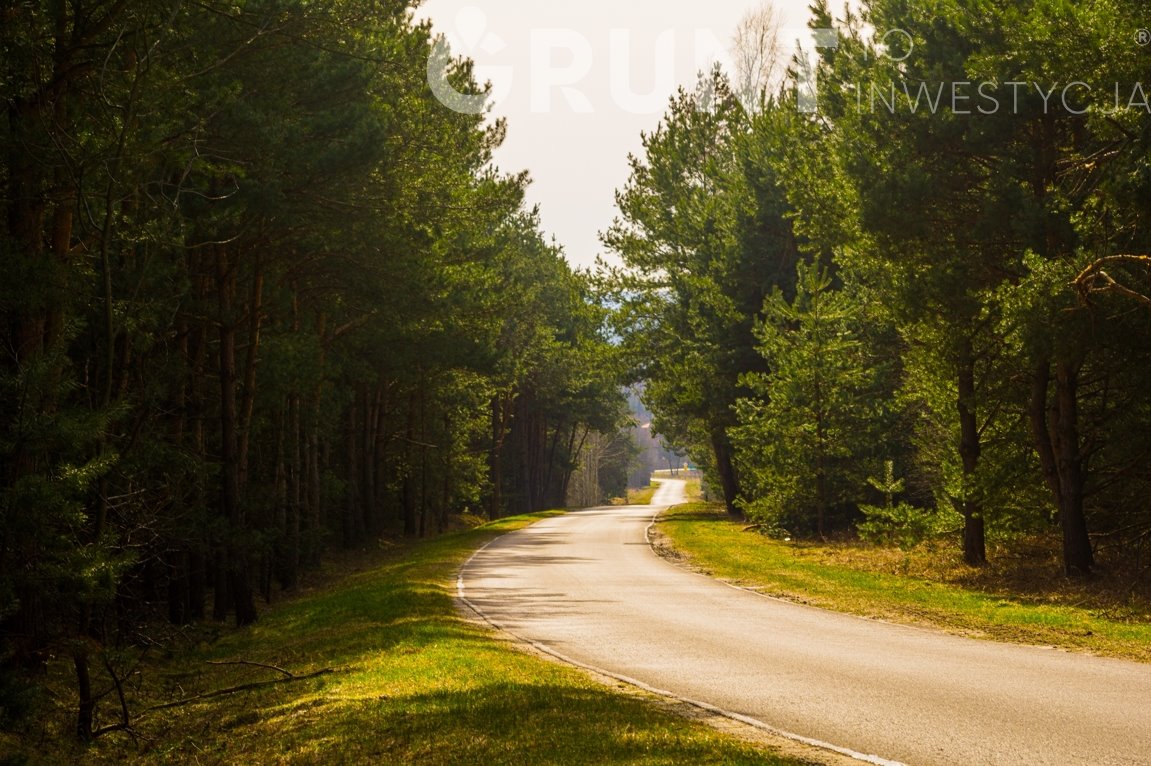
(411, 681)
(640, 496)
(850, 578)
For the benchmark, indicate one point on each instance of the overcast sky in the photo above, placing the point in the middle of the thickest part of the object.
(579, 81)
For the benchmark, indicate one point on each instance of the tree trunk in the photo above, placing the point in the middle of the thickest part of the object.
(500, 406)
(295, 491)
(281, 563)
(410, 514)
(86, 708)
(423, 460)
(197, 586)
(248, 400)
(1056, 440)
(574, 449)
(353, 515)
(239, 589)
(821, 502)
(974, 532)
(198, 403)
(1040, 428)
(379, 450)
(725, 468)
(177, 587)
(1078, 558)
(295, 470)
(318, 454)
(318, 457)
(446, 474)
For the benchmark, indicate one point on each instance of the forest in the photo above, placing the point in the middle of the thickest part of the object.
(263, 297)
(907, 295)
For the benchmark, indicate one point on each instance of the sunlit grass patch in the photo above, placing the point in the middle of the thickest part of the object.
(868, 581)
(641, 496)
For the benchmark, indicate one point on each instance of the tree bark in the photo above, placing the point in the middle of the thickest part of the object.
(353, 515)
(86, 708)
(1040, 428)
(725, 468)
(974, 531)
(235, 563)
(501, 404)
(410, 519)
(248, 399)
(295, 490)
(1056, 440)
(1078, 558)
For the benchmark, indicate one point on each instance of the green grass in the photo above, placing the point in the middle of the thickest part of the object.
(845, 578)
(413, 682)
(641, 496)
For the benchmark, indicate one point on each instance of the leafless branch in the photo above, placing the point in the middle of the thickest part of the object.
(276, 668)
(757, 55)
(240, 688)
(1094, 279)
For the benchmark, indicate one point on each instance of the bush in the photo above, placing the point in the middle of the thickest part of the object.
(900, 524)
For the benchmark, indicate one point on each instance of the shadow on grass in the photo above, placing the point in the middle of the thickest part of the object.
(499, 723)
(694, 512)
(431, 689)
(414, 683)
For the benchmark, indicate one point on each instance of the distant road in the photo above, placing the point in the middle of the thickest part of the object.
(586, 586)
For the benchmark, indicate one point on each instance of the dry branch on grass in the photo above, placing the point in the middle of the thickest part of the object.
(288, 678)
(287, 673)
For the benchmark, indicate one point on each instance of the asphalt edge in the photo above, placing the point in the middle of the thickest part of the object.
(811, 742)
(461, 597)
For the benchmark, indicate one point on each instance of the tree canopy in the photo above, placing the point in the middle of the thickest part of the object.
(965, 196)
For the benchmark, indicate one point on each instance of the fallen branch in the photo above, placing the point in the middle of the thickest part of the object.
(240, 688)
(287, 673)
(125, 719)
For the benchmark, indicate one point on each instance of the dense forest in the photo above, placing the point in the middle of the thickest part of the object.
(263, 296)
(908, 294)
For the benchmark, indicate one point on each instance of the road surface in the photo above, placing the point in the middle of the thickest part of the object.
(587, 588)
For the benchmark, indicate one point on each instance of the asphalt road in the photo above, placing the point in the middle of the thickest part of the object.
(587, 587)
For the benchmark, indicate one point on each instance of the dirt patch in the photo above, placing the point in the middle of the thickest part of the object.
(663, 547)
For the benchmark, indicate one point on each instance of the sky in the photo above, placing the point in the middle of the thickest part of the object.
(578, 81)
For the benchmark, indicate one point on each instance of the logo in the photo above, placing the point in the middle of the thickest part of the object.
(634, 71)
(472, 37)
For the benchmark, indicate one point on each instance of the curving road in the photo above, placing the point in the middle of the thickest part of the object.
(587, 588)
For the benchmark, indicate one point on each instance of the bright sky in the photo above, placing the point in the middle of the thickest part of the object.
(579, 80)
